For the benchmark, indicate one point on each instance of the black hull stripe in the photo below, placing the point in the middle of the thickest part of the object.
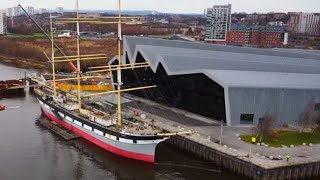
(97, 126)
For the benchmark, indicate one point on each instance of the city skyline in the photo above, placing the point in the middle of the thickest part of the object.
(178, 6)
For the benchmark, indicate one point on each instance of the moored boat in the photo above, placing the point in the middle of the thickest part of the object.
(139, 147)
(2, 108)
(116, 132)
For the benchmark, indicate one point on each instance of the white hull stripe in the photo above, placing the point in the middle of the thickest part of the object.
(100, 133)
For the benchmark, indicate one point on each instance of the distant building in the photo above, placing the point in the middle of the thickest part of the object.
(16, 11)
(163, 21)
(3, 24)
(42, 11)
(257, 36)
(30, 10)
(218, 23)
(279, 16)
(252, 17)
(9, 12)
(304, 23)
(90, 15)
(262, 17)
(239, 35)
(59, 10)
(294, 22)
(276, 23)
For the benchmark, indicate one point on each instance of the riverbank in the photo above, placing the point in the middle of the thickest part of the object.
(23, 63)
(29, 52)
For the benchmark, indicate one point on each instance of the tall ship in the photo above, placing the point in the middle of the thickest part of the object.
(114, 131)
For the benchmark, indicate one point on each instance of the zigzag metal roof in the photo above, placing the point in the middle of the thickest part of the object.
(230, 66)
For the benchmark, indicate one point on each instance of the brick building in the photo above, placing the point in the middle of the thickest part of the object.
(257, 36)
(239, 35)
(279, 16)
(304, 23)
(272, 37)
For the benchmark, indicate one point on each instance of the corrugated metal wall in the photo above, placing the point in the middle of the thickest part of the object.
(285, 104)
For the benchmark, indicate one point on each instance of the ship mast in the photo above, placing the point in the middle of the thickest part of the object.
(119, 69)
(78, 58)
(109, 68)
(52, 58)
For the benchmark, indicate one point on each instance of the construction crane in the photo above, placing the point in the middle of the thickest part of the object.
(74, 68)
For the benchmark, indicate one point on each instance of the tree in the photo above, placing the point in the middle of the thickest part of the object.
(265, 125)
(310, 117)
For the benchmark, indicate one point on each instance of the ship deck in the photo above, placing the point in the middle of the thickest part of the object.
(133, 126)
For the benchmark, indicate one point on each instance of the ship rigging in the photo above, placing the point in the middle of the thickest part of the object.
(130, 137)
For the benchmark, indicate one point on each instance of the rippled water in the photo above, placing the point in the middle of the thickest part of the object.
(30, 151)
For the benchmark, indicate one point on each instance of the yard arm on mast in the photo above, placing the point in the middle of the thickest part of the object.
(74, 68)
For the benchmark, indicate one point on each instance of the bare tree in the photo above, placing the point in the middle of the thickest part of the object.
(310, 118)
(266, 125)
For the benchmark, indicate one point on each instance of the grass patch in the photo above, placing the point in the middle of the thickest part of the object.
(34, 35)
(38, 35)
(16, 35)
(287, 138)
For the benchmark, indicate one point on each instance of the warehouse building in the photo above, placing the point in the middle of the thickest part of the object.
(235, 84)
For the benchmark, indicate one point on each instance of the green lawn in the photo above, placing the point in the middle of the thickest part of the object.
(38, 35)
(15, 35)
(287, 138)
(35, 35)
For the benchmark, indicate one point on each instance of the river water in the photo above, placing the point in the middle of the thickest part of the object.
(30, 151)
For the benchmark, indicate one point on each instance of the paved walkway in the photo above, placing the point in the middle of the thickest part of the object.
(208, 133)
(300, 154)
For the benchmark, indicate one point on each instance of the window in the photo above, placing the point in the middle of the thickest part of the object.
(261, 120)
(246, 119)
(317, 106)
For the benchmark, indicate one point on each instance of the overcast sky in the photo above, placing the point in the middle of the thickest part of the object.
(176, 6)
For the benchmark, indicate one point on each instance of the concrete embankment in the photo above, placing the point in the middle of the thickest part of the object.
(243, 165)
(254, 162)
